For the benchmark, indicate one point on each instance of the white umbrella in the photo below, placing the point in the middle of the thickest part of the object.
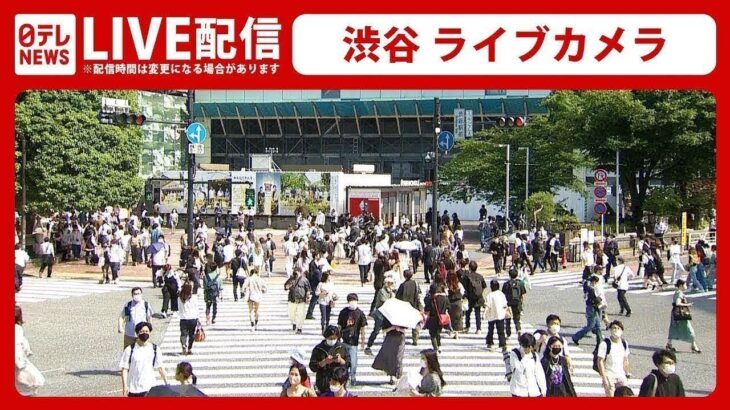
(400, 313)
(406, 246)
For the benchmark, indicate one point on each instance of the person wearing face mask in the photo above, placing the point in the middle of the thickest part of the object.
(524, 370)
(557, 373)
(662, 381)
(295, 386)
(139, 363)
(432, 382)
(327, 356)
(338, 384)
(613, 359)
(553, 329)
(353, 323)
(385, 293)
(135, 311)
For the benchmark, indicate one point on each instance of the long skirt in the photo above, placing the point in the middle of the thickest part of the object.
(681, 330)
(390, 356)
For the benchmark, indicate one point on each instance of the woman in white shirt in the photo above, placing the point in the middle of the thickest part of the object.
(257, 256)
(327, 297)
(303, 261)
(527, 375)
(28, 379)
(189, 313)
(495, 309)
(253, 292)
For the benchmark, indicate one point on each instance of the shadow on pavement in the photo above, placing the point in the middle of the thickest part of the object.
(86, 373)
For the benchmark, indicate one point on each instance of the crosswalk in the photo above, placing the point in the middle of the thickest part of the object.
(572, 280)
(233, 361)
(37, 290)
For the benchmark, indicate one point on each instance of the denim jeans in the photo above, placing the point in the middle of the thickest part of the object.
(324, 313)
(593, 324)
(376, 328)
(477, 313)
(693, 279)
(237, 282)
(314, 300)
(352, 353)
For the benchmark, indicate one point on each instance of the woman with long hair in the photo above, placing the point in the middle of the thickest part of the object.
(297, 374)
(257, 256)
(436, 303)
(557, 372)
(189, 314)
(253, 292)
(456, 297)
(327, 296)
(432, 382)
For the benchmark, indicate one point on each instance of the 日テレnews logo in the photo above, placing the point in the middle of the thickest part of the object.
(45, 44)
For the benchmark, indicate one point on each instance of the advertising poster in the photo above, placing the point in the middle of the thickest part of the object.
(268, 193)
(240, 182)
(364, 202)
(305, 193)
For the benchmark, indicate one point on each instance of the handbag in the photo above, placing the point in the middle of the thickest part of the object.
(681, 313)
(444, 318)
(199, 333)
(615, 281)
(508, 313)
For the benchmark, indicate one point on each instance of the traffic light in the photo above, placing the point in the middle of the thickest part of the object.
(511, 122)
(250, 197)
(121, 118)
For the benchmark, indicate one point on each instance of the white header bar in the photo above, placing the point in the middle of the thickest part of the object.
(512, 44)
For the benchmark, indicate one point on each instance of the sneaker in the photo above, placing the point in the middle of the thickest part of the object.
(294, 327)
(164, 315)
(299, 331)
(213, 321)
(309, 318)
(368, 351)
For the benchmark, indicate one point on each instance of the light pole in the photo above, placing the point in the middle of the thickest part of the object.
(506, 190)
(435, 201)
(527, 182)
(191, 171)
(618, 190)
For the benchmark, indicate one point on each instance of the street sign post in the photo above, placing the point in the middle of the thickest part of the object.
(600, 182)
(196, 133)
(446, 141)
(459, 123)
(196, 149)
(469, 123)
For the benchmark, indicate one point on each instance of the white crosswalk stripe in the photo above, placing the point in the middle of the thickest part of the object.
(37, 290)
(233, 361)
(572, 280)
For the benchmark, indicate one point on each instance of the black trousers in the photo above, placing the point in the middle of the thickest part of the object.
(169, 298)
(427, 272)
(236, 283)
(499, 324)
(313, 301)
(516, 314)
(435, 335)
(497, 264)
(375, 295)
(46, 261)
(554, 262)
(19, 277)
(214, 304)
(622, 302)
(477, 311)
(364, 270)
(187, 332)
(415, 261)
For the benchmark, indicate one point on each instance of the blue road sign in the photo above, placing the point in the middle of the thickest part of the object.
(196, 133)
(600, 208)
(446, 141)
(600, 192)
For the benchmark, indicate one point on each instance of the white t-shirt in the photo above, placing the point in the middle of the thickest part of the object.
(622, 273)
(364, 254)
(138, 315)
(675, 251)
(21, 257)
(141, 376)
(229, 252)
(588, 258)
(614, 363)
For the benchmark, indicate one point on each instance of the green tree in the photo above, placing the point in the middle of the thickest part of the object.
(478, 170)
(73, 159)
(663, 201)
(666, 136)
(542, 205)
(293, 180)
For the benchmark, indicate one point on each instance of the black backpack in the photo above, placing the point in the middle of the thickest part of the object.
(514, 294)
(131, 350)
(219, 257)
(608, 351)
(171, 283)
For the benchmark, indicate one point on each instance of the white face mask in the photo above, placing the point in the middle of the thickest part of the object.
(667, 369)
(353, 305)
(331, 342)
(617, 333)
(137, 298)
(334, 388)
(554, 329)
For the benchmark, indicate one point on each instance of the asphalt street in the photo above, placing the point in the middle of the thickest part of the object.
(77, 347)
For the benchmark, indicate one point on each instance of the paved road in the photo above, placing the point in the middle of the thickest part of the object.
(233, 361)
(37, 290)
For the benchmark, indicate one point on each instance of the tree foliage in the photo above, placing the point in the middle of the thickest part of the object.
(663, 201)
(478, 168)
(542, 203)
(662, 136)
(73, 159)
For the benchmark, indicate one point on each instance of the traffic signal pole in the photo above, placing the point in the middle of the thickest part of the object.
(191, 171)
(435, 199)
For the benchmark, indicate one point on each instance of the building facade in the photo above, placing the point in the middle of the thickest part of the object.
(390, 129)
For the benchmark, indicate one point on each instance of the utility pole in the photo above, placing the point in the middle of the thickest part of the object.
(506, 194)
(191, 170)
(435, 201)
(23, 203)
(618, 190)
